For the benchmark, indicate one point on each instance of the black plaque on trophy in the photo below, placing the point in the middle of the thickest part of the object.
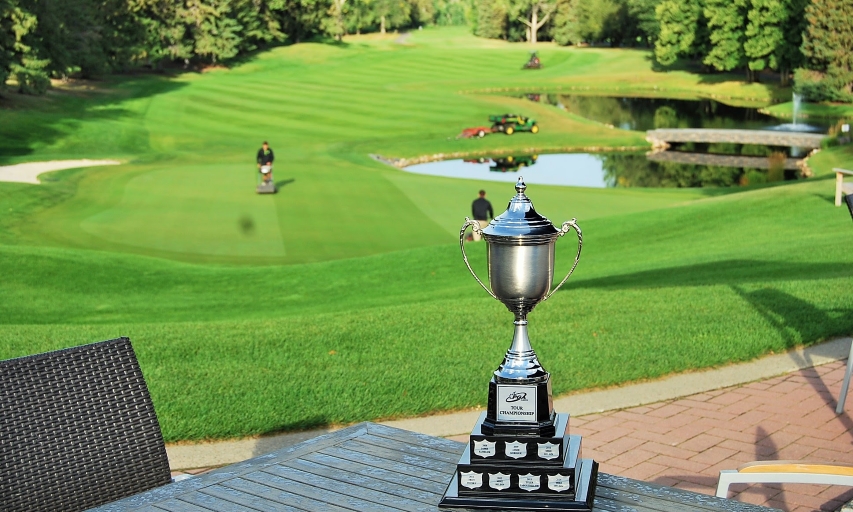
(520, 409)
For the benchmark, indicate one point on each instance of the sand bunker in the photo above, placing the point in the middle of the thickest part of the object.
(28, 172)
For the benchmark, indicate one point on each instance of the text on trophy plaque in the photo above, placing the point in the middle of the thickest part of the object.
(528, 482)
(517, 403)
(471, 480)
(516, 450)
(484, 448)
(498, 481)
(559, 482)
(548, 451)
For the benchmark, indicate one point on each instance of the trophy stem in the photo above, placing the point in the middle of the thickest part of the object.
(520, 364)
(520, 340)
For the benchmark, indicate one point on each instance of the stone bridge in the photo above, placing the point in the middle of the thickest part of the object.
(661, 138)
(753, 162)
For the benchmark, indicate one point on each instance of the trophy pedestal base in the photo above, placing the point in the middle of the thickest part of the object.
(523, 473)
(586, 473)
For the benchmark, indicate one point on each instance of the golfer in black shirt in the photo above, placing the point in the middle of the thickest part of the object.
(481, 210)
(265, 157)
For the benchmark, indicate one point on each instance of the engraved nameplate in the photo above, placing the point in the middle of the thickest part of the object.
(559, 483)
(498, 481)
(471, 479)
(484, 448)
(516, 450)
(517, 403)
(548, 451)
(528, 482)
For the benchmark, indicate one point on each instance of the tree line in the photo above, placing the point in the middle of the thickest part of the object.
(44, 39)
(811, 40)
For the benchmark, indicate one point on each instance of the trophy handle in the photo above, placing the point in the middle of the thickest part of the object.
(569, 224)
(475, 227)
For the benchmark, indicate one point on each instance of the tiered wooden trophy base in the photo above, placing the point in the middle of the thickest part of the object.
(523, 472)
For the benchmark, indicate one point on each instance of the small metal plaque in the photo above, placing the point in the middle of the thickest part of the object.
(517, 403)
(471, 479)
(559, 483)
(516, 450)
(528, 482)
(548, 451)
(484, 448)
(498, 481)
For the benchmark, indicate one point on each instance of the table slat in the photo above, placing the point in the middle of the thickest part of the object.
(277, 496)
(392, 465)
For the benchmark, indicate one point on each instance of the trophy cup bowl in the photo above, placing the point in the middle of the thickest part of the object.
(520, 252)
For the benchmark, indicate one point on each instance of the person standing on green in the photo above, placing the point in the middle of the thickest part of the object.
(481, 210)
(265, 159)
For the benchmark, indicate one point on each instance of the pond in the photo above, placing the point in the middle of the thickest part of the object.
(642, 114)
(685, 165)
(614, 169)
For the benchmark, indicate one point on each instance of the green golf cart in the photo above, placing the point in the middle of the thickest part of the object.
(511, 123)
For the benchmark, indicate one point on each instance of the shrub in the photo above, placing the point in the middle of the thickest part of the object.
(817, 86)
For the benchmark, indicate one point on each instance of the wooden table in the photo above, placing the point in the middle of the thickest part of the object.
(371, 467)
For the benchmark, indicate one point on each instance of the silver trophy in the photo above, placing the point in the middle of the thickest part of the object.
(520, 250)
(520, 455)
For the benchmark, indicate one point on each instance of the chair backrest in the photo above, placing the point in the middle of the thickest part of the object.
(77, 429)
(849, 200)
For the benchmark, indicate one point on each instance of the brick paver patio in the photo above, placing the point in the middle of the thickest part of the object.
(686, 442)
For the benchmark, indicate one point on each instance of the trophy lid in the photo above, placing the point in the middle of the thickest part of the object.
(520, 220)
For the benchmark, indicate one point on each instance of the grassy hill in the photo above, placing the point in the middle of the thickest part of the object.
(344, 298)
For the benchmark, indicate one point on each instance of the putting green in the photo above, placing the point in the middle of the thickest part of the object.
(204, 216)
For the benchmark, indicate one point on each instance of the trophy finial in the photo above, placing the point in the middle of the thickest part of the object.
(520, 187)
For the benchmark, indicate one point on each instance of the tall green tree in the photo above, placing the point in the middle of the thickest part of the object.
(491, 19)
(302, 19)
(423, 12)
(360, 16)
(566, 24)
(642, 14)
(215, 34)
(392, 13)
(259, 22)
(604, 21)
(683, 30)
(727, 21)
(764, 33)
(789, 54)
(451, 12)
(19, 56)
(828, 50)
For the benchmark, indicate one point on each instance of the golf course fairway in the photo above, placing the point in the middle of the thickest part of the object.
(344, 297)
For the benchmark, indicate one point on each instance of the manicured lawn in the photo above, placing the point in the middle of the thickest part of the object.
(811, 110)
(344, 297)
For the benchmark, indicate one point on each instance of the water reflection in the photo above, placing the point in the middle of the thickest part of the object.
(567, 169)
(641, 114)
(621, 169)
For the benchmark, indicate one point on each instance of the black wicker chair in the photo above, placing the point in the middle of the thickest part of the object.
(77, 430)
